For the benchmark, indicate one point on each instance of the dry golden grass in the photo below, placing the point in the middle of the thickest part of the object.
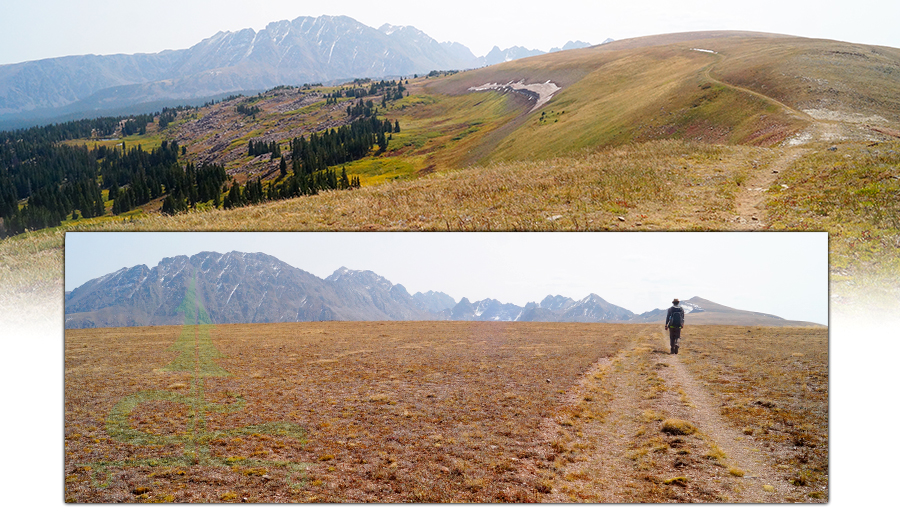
(678, 427)
(654, 446)
(31, 279)
(853, 193)
(654, 186)
(441, 419)
(773, 387)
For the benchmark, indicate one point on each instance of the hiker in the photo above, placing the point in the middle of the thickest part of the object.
(674, 323)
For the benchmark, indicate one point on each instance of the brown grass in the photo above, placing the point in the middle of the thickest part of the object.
(435, 421)
(678, 427)
(654, 186)
(461, 412)
(770, 393)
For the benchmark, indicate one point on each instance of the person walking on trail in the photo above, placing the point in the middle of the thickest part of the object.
(674, 324)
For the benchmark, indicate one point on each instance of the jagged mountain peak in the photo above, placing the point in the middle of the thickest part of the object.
(238, 287)
(572, 45)
(345, 274)
(340, 272)
(556, 302)
(390, 29)
(285, 52)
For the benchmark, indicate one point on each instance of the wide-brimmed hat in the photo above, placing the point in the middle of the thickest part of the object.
(675, 301)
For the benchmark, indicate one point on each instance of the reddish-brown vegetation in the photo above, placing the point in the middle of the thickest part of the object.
(418, 411)
(445, 412)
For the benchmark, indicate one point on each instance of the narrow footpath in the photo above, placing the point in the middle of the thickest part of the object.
(750, 202)
(614, 441)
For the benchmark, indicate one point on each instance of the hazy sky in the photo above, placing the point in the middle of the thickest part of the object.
(785, 274)
(52, 28)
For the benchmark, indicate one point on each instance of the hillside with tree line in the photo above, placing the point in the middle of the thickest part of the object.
(55, 182)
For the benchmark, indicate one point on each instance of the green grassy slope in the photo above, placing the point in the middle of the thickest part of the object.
(819, 74)
(751, 91)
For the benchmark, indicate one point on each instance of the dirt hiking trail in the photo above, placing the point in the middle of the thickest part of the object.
(613, 447)
(750, 202)
(704, 414)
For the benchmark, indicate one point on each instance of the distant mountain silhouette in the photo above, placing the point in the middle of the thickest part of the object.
(241, 287)
(288, 52)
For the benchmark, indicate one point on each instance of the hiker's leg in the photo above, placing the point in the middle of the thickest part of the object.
(676, 339)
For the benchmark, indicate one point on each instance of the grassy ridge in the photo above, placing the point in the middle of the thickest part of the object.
(662, 185)
(749, 92)
(815, 73)
(601, 109)
(853, 193)
(653, 186)
(589, 159)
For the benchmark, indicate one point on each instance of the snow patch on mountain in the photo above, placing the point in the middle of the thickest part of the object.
(538, 92)
(690, 307)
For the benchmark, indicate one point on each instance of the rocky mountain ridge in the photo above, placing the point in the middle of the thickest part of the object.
(241, 287)
(288, 52)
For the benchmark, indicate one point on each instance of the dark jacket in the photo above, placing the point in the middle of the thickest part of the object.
(669, 316)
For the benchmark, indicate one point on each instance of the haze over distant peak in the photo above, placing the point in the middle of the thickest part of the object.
(241, 287)
(575, 45)
(286, 52)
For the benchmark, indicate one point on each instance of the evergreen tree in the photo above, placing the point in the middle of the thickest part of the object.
(234, 198)
(168, 207)
(114, 191)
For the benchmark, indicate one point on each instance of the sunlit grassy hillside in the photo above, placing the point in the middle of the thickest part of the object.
(657, 133)
(716, 87)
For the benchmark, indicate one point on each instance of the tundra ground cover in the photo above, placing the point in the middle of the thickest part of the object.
(168, 429)
(424, 412)
(739, 415)
(773, 386)
(392, 411)
(853, 192)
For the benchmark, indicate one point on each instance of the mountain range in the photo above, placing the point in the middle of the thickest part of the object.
(304, 50)
(241, 287)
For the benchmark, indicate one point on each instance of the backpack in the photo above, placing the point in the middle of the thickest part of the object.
(677, 319)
